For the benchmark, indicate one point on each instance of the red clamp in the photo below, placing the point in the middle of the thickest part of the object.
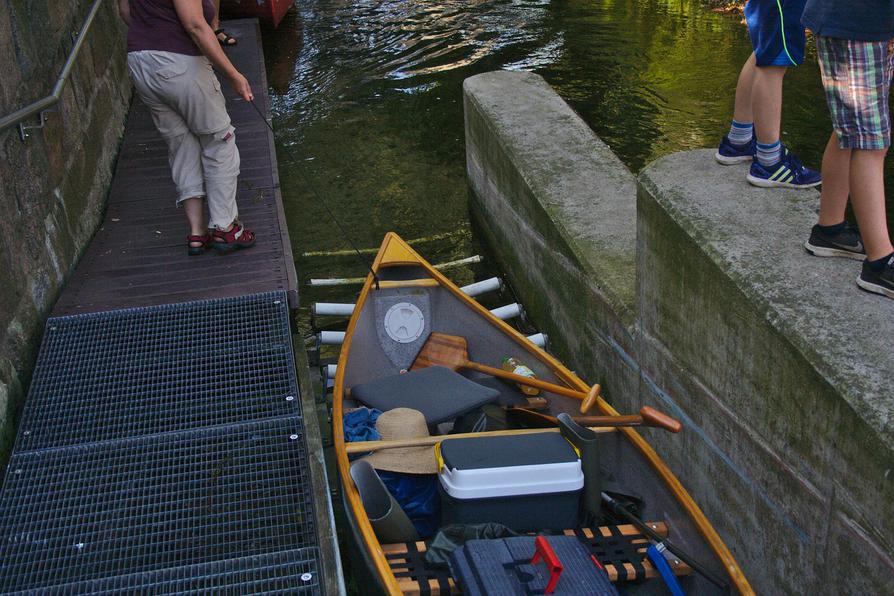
(545, 551)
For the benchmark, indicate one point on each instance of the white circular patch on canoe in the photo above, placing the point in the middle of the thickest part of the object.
(404, 322)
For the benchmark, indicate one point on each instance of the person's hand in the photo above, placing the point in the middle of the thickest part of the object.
(241, 86)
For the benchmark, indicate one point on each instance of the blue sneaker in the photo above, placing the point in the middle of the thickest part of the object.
(729, 154)
(787, 173)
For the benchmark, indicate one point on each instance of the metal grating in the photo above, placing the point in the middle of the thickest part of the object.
(143, 371)
(154, 505)
(287, 572)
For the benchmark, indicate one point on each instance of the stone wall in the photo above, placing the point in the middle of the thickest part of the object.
(787, 360)
(556, 209)
(53, 185)
(777, 364)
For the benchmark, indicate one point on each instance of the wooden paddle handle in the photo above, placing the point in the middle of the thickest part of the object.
(590, 400)
(544, 385)
(647, 417)
(609, 420)
(652, 417)
(365, 446)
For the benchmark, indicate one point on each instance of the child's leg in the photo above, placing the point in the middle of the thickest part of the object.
(767, 107)
(868, 197)
(742, 111)
(857, 79)
(767, 103)
(778, 40)
(738, 145)
(836, 183)
(833, 236)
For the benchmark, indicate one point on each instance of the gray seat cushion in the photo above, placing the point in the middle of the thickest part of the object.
(510, 395)
(438, 392)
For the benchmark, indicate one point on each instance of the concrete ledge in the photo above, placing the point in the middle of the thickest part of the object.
(557, 207)
(778, 365)
(777, 353)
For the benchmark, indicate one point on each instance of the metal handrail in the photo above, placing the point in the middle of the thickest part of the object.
(42, 105)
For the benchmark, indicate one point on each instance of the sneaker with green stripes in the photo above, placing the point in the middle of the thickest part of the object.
(787, 173)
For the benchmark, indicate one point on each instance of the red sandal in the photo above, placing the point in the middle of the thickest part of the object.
(236, 237)
(205, 239)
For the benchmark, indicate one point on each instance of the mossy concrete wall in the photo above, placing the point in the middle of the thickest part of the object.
(697, 297)
(53, 185)
(782, 362)
(557, 210)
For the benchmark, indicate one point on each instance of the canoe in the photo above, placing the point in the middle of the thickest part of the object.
(403, 276)
(268, 12)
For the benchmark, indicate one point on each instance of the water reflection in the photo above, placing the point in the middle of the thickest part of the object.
(372, 91)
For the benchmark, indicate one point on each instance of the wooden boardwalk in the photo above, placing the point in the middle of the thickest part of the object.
(138, 256)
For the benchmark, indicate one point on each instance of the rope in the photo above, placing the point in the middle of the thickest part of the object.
(298, 166)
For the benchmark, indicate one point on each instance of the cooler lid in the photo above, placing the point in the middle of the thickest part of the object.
(477, 453)
(487, 467)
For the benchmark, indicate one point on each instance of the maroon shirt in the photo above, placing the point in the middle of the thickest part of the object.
(154, 25)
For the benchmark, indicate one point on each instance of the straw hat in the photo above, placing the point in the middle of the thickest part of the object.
(403, 423)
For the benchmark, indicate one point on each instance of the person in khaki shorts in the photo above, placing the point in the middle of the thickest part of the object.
(170, 52)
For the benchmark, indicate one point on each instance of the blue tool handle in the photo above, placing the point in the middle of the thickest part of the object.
(667, 574)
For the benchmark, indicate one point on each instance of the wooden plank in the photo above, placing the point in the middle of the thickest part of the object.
(659, 528)
(291, 273)
(138, 255)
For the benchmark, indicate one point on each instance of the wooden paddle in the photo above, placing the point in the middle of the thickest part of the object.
(452, 351)
(647, 417)
(364, 446)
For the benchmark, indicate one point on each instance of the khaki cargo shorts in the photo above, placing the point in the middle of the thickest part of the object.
(182, 92)
(189, 110)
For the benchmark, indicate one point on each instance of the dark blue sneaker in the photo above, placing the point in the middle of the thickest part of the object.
(787, 173)
(847, 243)
(729, 154)
(878, 282)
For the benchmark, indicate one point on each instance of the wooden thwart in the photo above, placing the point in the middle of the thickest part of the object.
(400, 559)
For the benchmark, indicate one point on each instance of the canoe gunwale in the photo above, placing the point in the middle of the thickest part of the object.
(374, 549)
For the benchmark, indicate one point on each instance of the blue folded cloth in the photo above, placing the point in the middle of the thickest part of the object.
(360, 425)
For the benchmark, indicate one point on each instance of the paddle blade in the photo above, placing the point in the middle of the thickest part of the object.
(450, 351)
(652, 417)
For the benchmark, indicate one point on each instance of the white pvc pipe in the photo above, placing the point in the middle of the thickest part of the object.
(539, 339)
(508, 312)
(331, 369)
(343, 309)
(331, 338)
(338, 281)
(332, 309)
(492, 284)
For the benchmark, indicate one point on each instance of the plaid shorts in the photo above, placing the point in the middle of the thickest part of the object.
(857, 79)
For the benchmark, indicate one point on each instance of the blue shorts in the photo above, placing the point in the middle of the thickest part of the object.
(776, 31)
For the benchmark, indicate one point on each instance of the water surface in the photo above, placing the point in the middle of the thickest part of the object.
(367, 98)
